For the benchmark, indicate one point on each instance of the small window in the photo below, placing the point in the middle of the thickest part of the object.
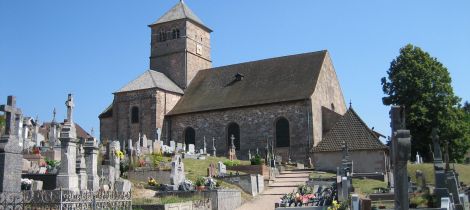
(332, 107)
(135, 115)
(175, 33)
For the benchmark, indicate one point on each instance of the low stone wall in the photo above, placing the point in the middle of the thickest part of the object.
(220, 199)
(250, 183)
(48, 180)
(263, 170)
(162, 177)
(190, 205)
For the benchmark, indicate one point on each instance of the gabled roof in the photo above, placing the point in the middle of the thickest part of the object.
(151, 79)
(274, 80)
(351, 129)
(178, 12)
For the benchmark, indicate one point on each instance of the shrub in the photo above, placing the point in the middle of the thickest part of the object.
(231, 162)
(256, 160)
(200, 181)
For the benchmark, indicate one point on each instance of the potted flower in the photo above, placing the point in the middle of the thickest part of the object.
(200, 183)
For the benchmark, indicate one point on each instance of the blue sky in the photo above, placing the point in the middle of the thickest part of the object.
(92, 48)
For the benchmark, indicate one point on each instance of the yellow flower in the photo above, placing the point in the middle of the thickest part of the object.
(119, 154)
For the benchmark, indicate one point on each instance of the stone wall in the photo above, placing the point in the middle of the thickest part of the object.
(153, 104)
(327, 94)
(256, 124)
(162, 177)
(364, 161)
(250, 183)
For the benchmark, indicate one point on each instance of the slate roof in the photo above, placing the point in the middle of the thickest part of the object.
(274, 80)
(151, 79)
(178, 12)
(46, 127)
(351, 129)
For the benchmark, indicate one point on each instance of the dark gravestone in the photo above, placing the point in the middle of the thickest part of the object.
(10, 149)
(439, 172)
(401, 152)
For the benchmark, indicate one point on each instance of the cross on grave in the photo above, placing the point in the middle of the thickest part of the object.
(12, 114)
(69, 104)
(232, 138)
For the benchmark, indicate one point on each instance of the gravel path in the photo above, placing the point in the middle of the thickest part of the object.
(286, 182)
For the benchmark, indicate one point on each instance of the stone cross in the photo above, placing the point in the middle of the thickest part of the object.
(177, 175)
(12, 114)
(403, 142)
(213, 147)
(204, 146)
(69, 103)
(53, 115)
(10, 151)
(257, 151)
(232, 138)
(436, 145)
(249, 154)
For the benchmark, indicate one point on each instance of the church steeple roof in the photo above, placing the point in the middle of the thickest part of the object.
(178, 12)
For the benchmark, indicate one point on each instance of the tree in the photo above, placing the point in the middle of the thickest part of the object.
(423, 85)
(2, 124)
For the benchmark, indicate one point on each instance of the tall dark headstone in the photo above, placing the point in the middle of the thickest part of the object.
(439, 168)
(10, 149)
(401, 152)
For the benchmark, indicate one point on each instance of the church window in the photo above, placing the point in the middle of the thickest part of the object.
(282, 133)
(189, 136)
(161, 36)
(233, 130)
(175, 33)
(332, 107)
(135, 115)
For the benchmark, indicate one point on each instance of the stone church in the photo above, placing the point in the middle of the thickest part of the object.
(286, 101)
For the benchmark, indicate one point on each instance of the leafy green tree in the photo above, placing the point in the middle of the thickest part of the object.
(2, 123)
(423, 85)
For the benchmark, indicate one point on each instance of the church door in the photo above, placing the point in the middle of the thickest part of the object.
(189, 136)
(233, 129)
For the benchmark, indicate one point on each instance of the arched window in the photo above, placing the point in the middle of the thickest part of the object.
(135, 115)
(175, 33)
(189, 136)
(162, 36)
(332, 107)
(233, 129)
(282, 133)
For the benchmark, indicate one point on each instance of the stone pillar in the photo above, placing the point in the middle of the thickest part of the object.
(10, 149)
(91, 159)
(67, 177)
(81, 169)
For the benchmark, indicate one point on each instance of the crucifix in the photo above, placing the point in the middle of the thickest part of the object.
(69, 103)
(12, 115)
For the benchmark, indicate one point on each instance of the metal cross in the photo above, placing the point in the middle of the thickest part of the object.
(69, 103)
(12, 114)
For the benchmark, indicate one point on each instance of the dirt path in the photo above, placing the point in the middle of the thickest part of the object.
(286, 182)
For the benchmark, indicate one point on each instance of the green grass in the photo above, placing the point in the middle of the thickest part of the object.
(196, 168)
(319, 174)
(367, 186)
(428, 171)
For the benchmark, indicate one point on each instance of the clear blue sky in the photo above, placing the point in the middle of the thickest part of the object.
(92, 48)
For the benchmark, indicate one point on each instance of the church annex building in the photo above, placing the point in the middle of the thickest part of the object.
(293, 102)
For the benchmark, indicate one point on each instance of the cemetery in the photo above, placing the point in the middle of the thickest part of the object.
(274, 133)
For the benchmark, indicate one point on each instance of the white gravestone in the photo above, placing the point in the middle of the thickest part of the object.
(191, 149)
(222, 169)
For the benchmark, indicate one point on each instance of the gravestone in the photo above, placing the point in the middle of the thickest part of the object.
(172, 146)
(179, 147)
(249, 154)
(355, 202)
(420, 180)
(214, 150)
(222, 169)
(157, 147)
(440, 175)
(67, 177)
(401, 141)
(191, 149)
(204, 146)
(91, 160)
(177, 172)
(232, 152)
(211, 170)
(81, 169)
(10, 149)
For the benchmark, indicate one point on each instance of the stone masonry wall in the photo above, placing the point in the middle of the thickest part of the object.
(256, 123)
(364, 161)
(327, 92)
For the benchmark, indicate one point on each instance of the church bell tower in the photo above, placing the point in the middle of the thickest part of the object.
(180, 45)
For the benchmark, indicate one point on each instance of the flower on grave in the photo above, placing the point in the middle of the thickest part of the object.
(119, 154)
(334, 206)
(152, 182)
